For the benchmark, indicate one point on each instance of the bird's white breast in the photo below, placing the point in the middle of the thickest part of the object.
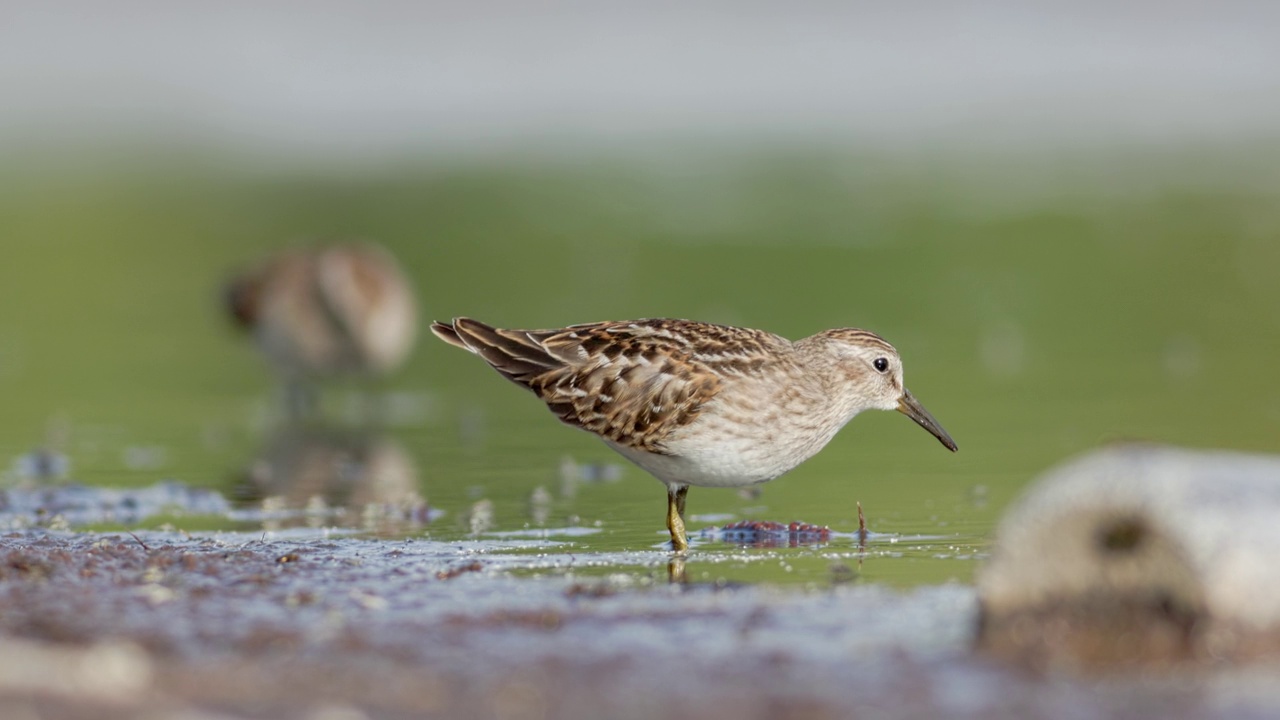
(718, 452)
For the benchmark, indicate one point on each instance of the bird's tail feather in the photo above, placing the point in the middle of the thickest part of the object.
(514, 353)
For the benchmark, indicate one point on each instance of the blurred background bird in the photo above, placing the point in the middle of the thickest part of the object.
(326, 310)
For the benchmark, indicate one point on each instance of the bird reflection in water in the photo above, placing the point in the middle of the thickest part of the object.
(326, 477)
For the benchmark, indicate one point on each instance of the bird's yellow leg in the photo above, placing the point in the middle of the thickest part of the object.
(675, 519)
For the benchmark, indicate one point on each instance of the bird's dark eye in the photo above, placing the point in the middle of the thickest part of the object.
(880, 364)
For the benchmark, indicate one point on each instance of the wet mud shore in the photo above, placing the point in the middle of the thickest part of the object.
(238, 626)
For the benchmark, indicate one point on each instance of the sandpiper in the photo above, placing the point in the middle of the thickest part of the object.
(326, 310)
(694, 403)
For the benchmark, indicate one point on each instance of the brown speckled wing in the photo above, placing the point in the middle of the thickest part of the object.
(631, 382)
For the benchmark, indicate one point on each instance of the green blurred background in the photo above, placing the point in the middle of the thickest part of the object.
(1047, 297)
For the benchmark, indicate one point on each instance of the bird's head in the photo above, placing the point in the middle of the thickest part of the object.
(873, 369)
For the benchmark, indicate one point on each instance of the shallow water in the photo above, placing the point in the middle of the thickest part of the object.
(1034, 323)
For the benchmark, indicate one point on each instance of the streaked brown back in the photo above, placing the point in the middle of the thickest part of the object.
(632, 382)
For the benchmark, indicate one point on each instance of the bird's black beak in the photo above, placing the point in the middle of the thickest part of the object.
(909, 406)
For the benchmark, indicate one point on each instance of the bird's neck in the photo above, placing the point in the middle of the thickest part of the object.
(834, 384)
